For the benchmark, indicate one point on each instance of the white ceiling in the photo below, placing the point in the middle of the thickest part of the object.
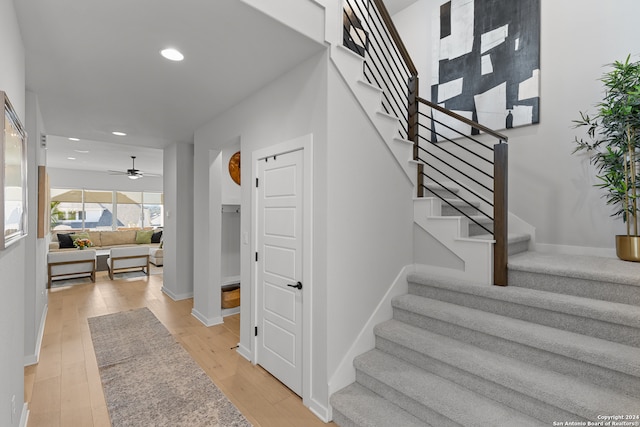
(395, 6)
(95, 67)
(101, 156)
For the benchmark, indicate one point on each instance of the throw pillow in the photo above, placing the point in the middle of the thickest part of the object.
(80, 235)
(143, 236)
(65, 240)
(156, 237)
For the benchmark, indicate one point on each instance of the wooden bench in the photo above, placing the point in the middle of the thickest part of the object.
(71, 264)
(127, 258)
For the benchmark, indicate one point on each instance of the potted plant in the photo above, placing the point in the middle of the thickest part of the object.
(613, 143)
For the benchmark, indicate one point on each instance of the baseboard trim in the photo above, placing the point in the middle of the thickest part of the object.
(24, 416)
(230, 311)
(320, 411)
(177, 297)
(32, 359)
(205, 320)
(345, 374)
(244, 352)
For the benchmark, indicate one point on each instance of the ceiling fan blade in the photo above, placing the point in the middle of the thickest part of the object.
(117, 172)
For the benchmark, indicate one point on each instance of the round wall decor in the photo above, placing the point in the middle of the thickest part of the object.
(234, 167)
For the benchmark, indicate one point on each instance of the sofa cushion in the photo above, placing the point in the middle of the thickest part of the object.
(143, 236)
(65, 240)
(156, 237)
(94, 236)
(113, 238)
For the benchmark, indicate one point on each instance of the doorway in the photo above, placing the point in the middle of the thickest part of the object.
(282, 274)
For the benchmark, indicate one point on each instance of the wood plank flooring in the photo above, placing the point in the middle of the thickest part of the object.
(64, 388)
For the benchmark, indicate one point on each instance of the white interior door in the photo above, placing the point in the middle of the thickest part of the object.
(279, 258)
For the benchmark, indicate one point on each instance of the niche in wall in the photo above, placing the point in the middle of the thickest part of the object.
(230, 227)
(230, 262)
(230, 236)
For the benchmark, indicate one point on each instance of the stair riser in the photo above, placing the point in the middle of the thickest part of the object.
(476, 230)
(565, 365)
(512, 398)
(583, 325)
(518, 247)
(613, 292)
(343, 421)
(413, 407)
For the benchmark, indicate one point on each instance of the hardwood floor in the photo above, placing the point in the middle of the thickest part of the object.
(64, 388)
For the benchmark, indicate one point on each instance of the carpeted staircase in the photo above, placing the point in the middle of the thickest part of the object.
(560, 344)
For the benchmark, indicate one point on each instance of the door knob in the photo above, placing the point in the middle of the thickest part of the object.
(297, 285)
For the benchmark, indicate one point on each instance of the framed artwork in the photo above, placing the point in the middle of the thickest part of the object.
(354, 36)
(44, 207)
(13, 176)
(487, 62)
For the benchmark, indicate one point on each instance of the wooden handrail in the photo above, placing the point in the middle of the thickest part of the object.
(500, 210)
(500, 214)
(463, 119)
(384, 13)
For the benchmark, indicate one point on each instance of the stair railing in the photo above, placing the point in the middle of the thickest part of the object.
(445, 155)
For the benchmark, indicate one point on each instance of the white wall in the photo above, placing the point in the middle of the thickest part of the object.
(35, 289)
(369, 221)
(292, 106)
(550, 188)
(362, 206)
(178, 235)
(13, 263)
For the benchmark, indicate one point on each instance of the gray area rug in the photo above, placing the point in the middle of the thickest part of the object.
(150, 380)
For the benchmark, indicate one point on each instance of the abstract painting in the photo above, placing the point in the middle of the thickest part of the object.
(486, 63)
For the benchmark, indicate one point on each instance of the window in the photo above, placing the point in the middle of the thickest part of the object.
(129, 209)
(105, 210)
(153, 210)
(66, 209)
(98, 210)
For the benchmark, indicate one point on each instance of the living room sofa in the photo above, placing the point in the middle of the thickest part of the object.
(111, 239)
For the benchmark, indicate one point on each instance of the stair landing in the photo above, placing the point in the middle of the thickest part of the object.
(608, 279)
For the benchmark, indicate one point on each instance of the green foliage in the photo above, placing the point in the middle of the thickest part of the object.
(55, 215)
(614, 138)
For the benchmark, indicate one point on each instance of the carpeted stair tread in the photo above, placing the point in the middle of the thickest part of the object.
(512, 238)
(458, 202)
(591, 350)
(579, 267)
(364, 408)
(437, 187)
(450, 400)
(569, 394)
(457, 207)
(623, 314)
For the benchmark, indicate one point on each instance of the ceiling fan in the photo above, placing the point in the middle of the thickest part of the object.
(132, 173)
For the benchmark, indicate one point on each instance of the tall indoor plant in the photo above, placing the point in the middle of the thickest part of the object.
(613, 143)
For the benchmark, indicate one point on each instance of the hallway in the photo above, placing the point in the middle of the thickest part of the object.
(64, 388)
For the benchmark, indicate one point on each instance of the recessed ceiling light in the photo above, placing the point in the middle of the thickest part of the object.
(71, 158)
(74, 139)
(116, 133)
(172, 54)
(82, 151)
